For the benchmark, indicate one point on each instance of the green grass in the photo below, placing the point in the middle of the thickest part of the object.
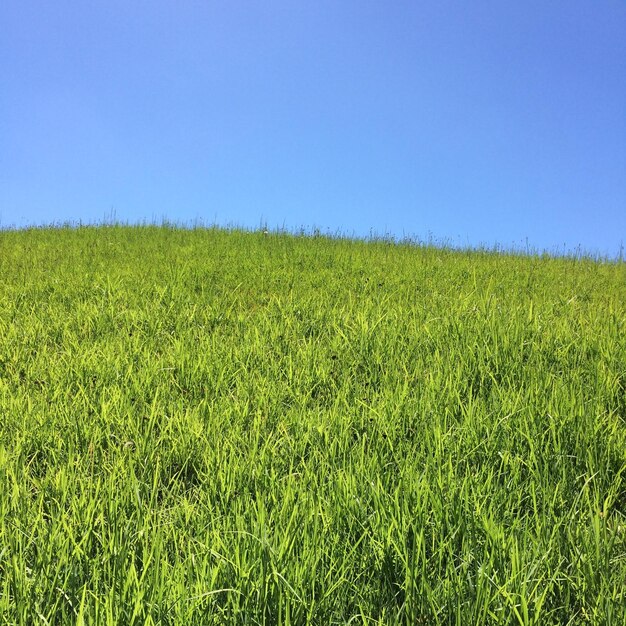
(209, 427)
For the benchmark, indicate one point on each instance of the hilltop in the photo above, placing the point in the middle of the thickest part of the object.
(205, 426)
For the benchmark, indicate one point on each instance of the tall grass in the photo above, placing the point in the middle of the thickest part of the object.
(211, 427)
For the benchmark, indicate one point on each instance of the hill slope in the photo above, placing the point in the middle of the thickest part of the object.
(204, 427)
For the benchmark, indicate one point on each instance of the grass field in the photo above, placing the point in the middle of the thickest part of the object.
(218, 427)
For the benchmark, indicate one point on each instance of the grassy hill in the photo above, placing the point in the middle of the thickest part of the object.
(210, 427)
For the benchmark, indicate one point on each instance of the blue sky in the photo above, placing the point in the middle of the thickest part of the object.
(468, 122)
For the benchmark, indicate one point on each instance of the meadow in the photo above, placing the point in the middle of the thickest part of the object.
(205, 426)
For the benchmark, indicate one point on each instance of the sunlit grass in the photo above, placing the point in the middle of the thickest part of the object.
(212, 427)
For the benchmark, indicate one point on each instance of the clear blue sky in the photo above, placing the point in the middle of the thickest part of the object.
(475, 122)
